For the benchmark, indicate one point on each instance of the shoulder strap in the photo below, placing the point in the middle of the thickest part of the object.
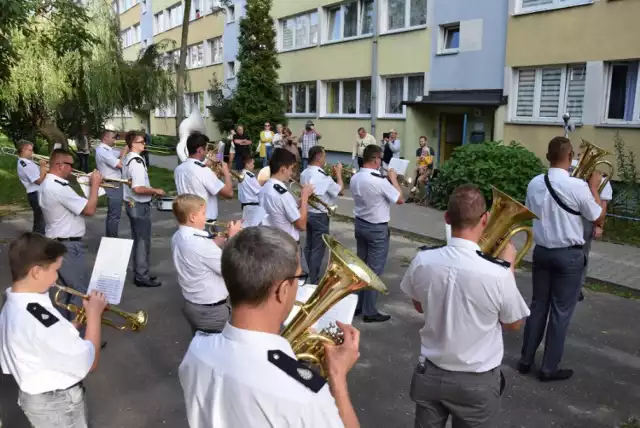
(556, 198)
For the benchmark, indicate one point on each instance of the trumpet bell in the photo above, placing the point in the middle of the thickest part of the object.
(590, 158)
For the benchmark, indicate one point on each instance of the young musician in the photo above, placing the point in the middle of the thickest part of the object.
(248, 375)
(31, 175)
(196, 256)
(109, 162)
(40, 348)
(248, 194)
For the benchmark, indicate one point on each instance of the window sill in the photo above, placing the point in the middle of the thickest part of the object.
(345, 116)
(404, 30)
(540, 122)
(301, 115)
(344, 40)
(629, 125)
(297, 49)
(448, 52)
(231, 77)
(392, 116)
(214, 63)
(549, 8)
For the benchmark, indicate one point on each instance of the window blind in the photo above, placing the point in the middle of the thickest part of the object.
(576, 78)
(526, 90)
(550, 92)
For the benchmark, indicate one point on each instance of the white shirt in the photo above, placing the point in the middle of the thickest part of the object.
(249, 188)
(135, 169)
(229, 382)
(197, 261)
(373, 196)
(106, 160)
(39, 347)
(280, 206)
(193, 176)
(607, 191)
(465, 297)
(28, 173)
(323, 186)
(62, 208)
(557, 228)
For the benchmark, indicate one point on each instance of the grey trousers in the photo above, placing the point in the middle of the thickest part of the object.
(208, 319)
(314, 249)
(557, 280)
(114, 211)
(372, 242)
(140, 220)
(73, 273)
(56, 409)
(38, 217)
(588, 238)
(472, 399)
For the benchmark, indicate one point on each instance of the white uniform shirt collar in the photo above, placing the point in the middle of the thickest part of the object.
(364, 169)
(257, 339)
(55, 177)
(558, 172)
(464, 243)
(105, 146)
(188, 230)
(276, 181)
(42, 298)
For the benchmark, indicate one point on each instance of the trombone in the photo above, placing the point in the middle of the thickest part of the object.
(314, 200)
(156, 150)
(134, 321)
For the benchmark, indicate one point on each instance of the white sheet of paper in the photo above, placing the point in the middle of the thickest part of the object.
(86, 187)
(399, 165)
(110, 268)
(343, 311)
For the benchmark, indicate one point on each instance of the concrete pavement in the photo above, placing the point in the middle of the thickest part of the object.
(136, 385)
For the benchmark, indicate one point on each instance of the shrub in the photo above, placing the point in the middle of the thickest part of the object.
(507, 167)
(164, 140)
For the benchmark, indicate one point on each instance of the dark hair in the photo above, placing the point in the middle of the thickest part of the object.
(466, 206)
(371, 152)
(22, 144)
(361, 129)
(281, 158)
(558, 150)
(195, 141)
(57, 154)
(423, 136)
(131, 136)
(248, 159)
(32, 249)
(315, 152)
(256, 259)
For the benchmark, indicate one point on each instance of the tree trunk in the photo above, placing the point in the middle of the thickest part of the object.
(180, 74)
(53, 134)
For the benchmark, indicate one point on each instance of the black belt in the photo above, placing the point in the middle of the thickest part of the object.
(573, 247)
(65, 389)
(249, 204)
(221, 302)
(368, 222)
(68, 239)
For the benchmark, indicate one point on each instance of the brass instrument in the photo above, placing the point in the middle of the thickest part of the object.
(314, 200)
(347, 173)
(345, 274)
(135, 321)
(157, 150)
(590, 158)
(211, 225)
(216, 164)
(505, 216)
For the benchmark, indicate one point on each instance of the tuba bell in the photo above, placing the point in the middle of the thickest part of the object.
(590, 158)
(192, 124)
(504, 223)
(345, 274)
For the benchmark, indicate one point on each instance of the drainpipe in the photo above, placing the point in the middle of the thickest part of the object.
(374, 70)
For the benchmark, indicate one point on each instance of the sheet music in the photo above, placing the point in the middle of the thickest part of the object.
(86, 187)
(343, 311)
(399, 165)
(110, 268)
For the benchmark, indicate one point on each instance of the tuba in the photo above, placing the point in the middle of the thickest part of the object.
(192, 124)
(132, 321)
(590, 158)
(345, 274)
(505, 221)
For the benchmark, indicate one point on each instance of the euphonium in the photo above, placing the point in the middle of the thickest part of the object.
(590, 158)
(133, 321)
(345, 274)
(504, 220)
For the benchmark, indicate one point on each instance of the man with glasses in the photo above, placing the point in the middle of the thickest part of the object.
(560, 202)
(109, 162)
(262, 271)
(138, 207)
(31, 175)
(63, 211)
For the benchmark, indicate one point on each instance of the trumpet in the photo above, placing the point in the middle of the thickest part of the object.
(346, 173)
(590, 158)
(135, 321)
(216, 164)
(314, 200)
(210, 226)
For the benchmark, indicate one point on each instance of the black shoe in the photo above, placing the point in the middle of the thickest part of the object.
(148, 283)
(357, 313)
(103, 345)
(581, 297)
(562, 374)
(524, 368)
(153, 277)
(376, 318)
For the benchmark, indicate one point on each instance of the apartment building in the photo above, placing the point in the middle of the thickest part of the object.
(578, 56)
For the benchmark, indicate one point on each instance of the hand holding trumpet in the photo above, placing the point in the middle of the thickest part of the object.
(95, 179)
(337, 169)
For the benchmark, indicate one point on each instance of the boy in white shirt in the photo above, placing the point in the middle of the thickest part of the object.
(248, 190)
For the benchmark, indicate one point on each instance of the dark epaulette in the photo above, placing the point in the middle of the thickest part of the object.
(430, 247)
(375, 174)
(251, 174)
(323, 172)
(500, 262)
(23, 163)
(279, 189)
(139, 160)
(297, 370)
(40, 313)
(62, 183)
(200, 164)
(209, 236)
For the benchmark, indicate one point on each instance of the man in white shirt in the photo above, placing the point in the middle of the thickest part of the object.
(196, 257)
(560, 202)
(317, 218)
(109, 163)
(63, 211)
(31, 175)
(373, 196)
(195, 177)
(41, 350)
(248, 195)
(467, 298)
(137, 198)
(364, 139)
(248, 375)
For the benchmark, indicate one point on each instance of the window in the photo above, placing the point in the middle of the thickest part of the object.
(136, 34)
(399, 89)
(623, 92)
(299, 31)
(160, 22)
(524, 6)
(546, 93)
(231, 13)
(160, 112)
(144, 6)
(402, 14)
(300, 98)
(231, 70)
(114, 6)
(171, 109)
(175, 15)
(215, 50)
(195, 56)
(449, 39)
(194, 101)
(197, 6)
(212, 5)
(348, 97)
(350, 20)
(130, 36)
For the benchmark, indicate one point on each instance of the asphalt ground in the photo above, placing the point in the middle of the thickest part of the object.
(136, 384)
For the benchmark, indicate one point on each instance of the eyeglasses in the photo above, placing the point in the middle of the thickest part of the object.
(139, 142)
(302, 278)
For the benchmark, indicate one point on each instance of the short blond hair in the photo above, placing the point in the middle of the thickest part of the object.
(186, 204)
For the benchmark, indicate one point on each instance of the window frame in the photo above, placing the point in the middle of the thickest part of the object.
(384, 18)
(293, 47)
(442, 39)
(228, 69)
(192, 12)
(231, 13)
(520, 9)
(181, 15)
(307, 98)
(635, 114)
(209, 57)
(382, 106)
(324, 94)
(189, 65)
(326, 36)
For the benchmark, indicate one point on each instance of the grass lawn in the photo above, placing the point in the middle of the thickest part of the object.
(620, 231)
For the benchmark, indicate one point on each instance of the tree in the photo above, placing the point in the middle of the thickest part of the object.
(222, 108)
(258, 97)
(180, 73)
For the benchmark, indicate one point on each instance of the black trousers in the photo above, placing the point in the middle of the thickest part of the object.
(38, 217)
